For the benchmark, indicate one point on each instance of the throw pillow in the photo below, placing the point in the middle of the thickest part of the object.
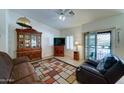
(106, 63)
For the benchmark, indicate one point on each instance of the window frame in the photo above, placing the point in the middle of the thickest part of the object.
(69, 42)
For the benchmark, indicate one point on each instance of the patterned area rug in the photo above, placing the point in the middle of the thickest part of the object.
(53, 71)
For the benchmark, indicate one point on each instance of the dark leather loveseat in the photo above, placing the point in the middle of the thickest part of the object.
(16, 71)
(106, 71)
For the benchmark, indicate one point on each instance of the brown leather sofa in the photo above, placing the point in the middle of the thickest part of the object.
(18, 71)
(106, 71)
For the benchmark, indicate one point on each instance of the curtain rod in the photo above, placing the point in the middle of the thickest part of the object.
(106, 29)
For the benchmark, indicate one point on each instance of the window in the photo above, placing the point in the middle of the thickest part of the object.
(97, 45)
(69, 42)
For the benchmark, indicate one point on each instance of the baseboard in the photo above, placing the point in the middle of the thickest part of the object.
(48, 57)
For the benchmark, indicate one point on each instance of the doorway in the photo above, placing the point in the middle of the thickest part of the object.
(97, 45)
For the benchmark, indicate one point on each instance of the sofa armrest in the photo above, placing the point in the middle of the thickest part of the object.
(89, 75)
(92, 70)
(20, 60)
(86, 77)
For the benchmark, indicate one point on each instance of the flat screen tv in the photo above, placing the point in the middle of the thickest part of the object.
(59, 41)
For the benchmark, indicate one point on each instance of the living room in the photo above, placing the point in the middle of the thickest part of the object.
(77, 25)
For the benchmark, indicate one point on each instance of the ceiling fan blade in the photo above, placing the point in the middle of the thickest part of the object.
(66, 10)
(59, 11)
(71, 13)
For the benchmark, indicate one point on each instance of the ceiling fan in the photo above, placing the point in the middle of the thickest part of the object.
(63, 13)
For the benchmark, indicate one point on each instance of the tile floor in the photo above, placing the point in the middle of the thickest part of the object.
(53, 71)
(70, 61)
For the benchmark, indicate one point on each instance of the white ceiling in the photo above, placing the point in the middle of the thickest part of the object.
(82, 16)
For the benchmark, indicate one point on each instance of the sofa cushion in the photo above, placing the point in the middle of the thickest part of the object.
(21, 71)
(106, 63)
(31, 79)
(5, 67)
(20, 60)
(92, 62)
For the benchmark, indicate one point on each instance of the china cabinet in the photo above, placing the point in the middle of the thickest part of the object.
(29, 43)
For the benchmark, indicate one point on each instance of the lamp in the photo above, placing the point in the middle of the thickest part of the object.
(77, 44)
(24, 22)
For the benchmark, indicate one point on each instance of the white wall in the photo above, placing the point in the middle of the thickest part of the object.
(3, 30)
(76, 32)
(48, 34)
(114, 21)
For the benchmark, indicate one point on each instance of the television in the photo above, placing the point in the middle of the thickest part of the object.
(59, 41)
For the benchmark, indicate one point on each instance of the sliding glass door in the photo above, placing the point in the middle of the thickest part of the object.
(103, 44)
(97, 45)
(90, 45)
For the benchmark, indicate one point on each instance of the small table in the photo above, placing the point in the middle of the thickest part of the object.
(76, 55)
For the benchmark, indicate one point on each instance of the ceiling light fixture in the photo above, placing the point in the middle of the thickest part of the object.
(62, 17)
(64, 13)
(24, 22)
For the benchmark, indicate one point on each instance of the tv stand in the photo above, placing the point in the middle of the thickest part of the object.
(59, 51)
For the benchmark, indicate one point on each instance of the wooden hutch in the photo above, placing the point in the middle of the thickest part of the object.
(29, 43)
